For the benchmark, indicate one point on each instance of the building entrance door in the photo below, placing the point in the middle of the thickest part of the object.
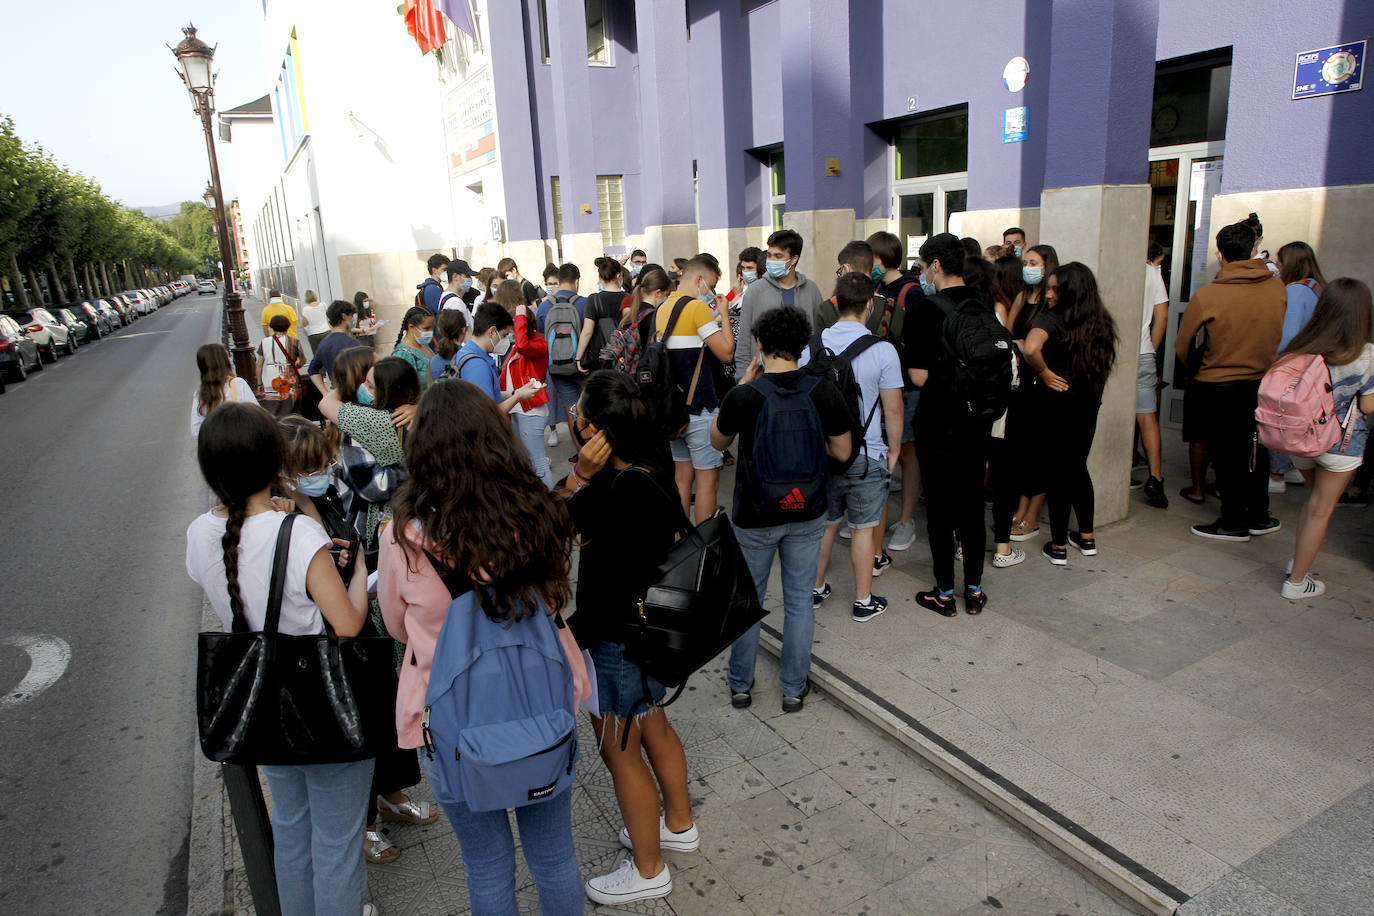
(928, 206)
(1183, 181)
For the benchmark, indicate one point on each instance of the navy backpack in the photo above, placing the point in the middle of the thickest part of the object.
(499, 715)
(787, 470)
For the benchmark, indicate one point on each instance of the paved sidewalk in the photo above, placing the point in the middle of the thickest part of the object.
(813, 812)
(1158, 710)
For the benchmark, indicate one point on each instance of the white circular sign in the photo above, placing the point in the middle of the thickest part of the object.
(1015, 74)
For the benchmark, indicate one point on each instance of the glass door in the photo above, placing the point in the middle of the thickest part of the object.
(927, 207)
(1183, 181)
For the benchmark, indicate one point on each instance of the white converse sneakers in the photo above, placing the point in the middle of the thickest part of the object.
(688, 840)
(627, 885)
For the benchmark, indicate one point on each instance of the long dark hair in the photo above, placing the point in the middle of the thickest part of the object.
(1029, 307)
(977, 276)
(1006, 280)
(449, 328)
(480, 506)
(1090, 332)
(395, 382)
(358, 299)
(614, 402)
(350, 369)
(215, 372)
(240, 453)
(414, 316)
(1340, 324)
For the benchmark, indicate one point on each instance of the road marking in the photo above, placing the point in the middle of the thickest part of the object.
(140, 334)
(48, 659)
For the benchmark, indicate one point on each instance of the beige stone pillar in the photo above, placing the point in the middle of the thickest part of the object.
(824, 233)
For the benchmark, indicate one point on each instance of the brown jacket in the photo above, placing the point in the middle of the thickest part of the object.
(1243, 311)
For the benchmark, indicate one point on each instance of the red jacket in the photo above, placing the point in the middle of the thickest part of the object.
(528, 359)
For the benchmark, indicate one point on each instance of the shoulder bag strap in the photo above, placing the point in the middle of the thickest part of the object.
(456, 583)
(901, 297)
(680, 517)
(290, 361)
(278, 582)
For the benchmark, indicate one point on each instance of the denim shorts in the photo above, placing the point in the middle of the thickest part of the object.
(909, 401)
(619, 685)
(568, 388)
(694, 444)
(1146, 380)
(861, 495)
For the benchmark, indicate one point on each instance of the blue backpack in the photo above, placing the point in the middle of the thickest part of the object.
(787, 470)
(499, 714)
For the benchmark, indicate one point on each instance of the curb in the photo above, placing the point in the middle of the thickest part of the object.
(206, 878)
(1121, 874)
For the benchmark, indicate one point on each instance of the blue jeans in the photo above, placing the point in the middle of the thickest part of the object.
(318, 814)
(798, 545)
(530, 428)
(568, 388)
(489, 854)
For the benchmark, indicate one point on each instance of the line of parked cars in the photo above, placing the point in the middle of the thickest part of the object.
(31, 337)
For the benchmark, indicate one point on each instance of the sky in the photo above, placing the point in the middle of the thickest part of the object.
(124, 118)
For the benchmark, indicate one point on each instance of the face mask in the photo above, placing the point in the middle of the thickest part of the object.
(353, 322)
(577, 435)
(510, 276)
(749, 276)
(635, 269)
(314, 485)
(426, 338)
(877, 273)
(364, 396)
(367, 304)
(708, 296)
(1032, 275)
(1017, 249)
(926, 286)
(467, 284)
(777, 269)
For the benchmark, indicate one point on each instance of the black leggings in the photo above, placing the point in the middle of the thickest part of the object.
(1004, 479)
(953, 485)
(1071, 424)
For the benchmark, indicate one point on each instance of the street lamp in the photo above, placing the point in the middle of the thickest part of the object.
(194, 59)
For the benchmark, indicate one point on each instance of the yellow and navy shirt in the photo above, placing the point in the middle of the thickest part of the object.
(686, 342)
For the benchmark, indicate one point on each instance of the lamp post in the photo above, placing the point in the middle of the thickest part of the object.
(194, 58)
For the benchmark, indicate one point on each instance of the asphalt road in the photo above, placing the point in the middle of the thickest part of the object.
(98, 482)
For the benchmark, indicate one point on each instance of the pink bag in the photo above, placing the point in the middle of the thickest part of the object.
(582, 685)
(1296, 413)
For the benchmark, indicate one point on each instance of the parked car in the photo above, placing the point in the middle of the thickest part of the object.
(206, 286)
(47, 332)
(76, 328)
(97, 325)
(140, 301)
(113, 315)
(126, 305)
(18, 352)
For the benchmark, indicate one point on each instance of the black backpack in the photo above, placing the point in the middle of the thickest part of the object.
(640, 352)
(839, 368)
(605, 328)
(979, 354)
(786, 471)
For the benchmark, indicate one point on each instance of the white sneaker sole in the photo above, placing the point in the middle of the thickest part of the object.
(901, 545)
(651, 892)
(1003, 562)
(667, 841)
(1026, 537)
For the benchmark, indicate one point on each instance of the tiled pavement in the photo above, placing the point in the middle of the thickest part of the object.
(812, 812)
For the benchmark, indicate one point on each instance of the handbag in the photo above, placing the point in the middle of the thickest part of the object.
(702, 598)
(266, 698)
(287, 388)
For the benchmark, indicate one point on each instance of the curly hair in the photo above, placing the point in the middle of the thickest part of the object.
(480, 506)
(782, 332)
(1090, 332)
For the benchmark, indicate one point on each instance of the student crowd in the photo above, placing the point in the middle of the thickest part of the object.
(978, 373)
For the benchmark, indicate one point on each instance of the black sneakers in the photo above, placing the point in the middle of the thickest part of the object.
(881, 563)
(1059, 556)
(794, 704)
(740, 699)
(937, 601)
(1085, 546)
(1154, 494)
(1217, 532)
(867, 611)
(819, 595)
(1268, 526)
(974, 601)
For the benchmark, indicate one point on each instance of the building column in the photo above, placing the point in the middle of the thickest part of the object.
(522, 195)
(666, 198)
(571, 103)
(818, 125)
(1095, 206)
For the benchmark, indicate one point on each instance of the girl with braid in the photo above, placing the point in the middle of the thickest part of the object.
(415, 340)
(317, 818)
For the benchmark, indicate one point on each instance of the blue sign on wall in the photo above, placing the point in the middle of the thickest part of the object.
(1327, 71)
(1015, 124)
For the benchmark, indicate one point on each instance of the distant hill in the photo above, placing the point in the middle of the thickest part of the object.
(164, 212)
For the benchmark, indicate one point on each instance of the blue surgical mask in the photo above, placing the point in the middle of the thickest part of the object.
(635, 269)
(776, 269)
(708, 296)
(749, 276)
(467, 283)
(926, 286)
(878, 273)
(426, 338)
(313, 485)
(364, 396)
(1017, 249)
(1032, 275)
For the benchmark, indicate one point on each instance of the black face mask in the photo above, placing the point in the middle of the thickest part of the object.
(577, 435)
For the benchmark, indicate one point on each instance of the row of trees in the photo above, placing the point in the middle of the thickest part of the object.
(61, 225)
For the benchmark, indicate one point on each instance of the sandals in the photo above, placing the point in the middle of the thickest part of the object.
(407, 812)
(1022, 531)
(1187, 493)
(378, 850)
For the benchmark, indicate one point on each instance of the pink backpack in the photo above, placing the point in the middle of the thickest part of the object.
(1296, 413)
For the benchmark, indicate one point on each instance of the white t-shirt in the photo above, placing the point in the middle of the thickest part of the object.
(257, 544)
(452, 300)
(236, 389)
(1155, 293)
(315, 320)
(875, 369)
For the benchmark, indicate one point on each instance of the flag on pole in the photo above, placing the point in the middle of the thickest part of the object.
(459, 12)
(424, 24)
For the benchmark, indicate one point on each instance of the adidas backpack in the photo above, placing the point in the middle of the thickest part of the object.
(787, 471)
(562, 326)
(1296, 413)
(979, 352)
(499, 711)
(839, 368)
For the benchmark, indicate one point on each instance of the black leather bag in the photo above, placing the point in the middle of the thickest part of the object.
(702, 599)
(265, 698)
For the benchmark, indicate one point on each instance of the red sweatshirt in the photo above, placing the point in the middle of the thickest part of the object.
(528, 359)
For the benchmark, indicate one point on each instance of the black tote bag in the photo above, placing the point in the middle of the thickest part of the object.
(265, 698)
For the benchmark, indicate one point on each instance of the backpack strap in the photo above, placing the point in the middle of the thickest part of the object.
(456, 583)
(701, 354)
(886, 324)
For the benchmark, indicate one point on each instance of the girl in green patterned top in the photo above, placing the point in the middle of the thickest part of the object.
(414, 342)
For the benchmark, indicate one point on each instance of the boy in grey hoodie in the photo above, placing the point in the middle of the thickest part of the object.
(779, 285)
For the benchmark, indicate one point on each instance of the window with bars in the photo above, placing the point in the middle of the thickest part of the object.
(610, 201)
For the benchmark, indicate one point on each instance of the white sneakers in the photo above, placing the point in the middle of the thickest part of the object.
(551, 437)
(627, 885)
(1003, 560)
(688, 840)
(1307, 588)
(903, 536)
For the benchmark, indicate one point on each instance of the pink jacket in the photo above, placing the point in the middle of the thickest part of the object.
(414, 603)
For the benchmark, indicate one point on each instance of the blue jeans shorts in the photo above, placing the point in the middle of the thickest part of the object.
(861, 495)
(694, 444)
(618, 683)
(909, 401)
(568, 388)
